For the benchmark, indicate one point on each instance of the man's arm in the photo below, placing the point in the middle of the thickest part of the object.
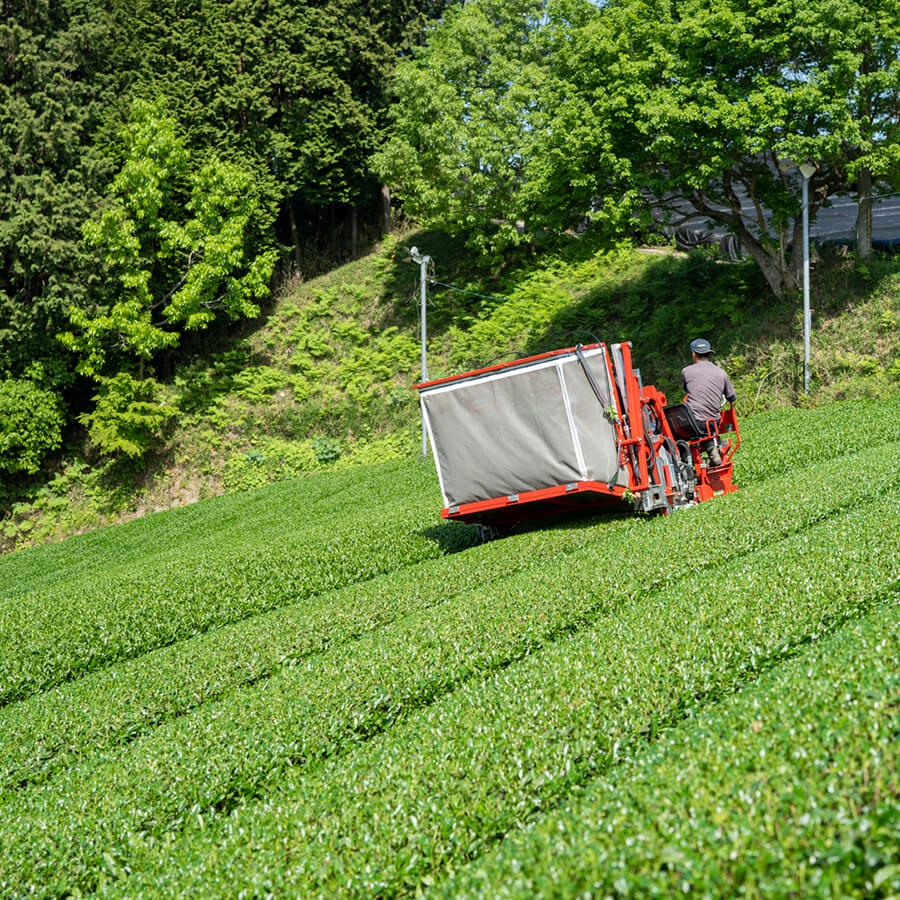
(729, 392)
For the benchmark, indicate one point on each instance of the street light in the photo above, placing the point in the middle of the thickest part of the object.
(806, 170)
(423, 261)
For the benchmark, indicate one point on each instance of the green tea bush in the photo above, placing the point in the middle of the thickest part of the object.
(215, 576)
(304, 666)
(663, 636)
(789, 788)
(436, 789)
(118, 703)
(776, 444)
(199, 528)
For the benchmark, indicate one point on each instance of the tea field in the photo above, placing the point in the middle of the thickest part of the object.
(320, 689)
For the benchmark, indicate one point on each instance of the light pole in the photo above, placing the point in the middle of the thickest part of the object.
(423, 261)
(806, 170)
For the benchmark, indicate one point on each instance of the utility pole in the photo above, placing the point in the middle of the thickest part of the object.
(806, 171)
(423, 261)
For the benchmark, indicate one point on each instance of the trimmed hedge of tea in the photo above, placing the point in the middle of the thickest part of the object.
(236, 569)
(437, 789)
(162, 576)
(289, 715)
(132, 544)
(117, 704)
(776, 444)
(205, 763)
(790, 788)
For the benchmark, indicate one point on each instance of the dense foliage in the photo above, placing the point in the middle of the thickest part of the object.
(53, 95)
(164, 164)
(127, 415)
(108, 614)
(246, 125)
(289, 90)
(30, 425)
(519, 116)
(232, 696)
(175, 242)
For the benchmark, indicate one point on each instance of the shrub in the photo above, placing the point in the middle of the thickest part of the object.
(230, 697)
(326, 449)
(30, 425)
(495, 683)
(127, 415)
(787, 789)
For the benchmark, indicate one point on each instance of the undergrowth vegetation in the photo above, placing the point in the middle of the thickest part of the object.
(319, 688)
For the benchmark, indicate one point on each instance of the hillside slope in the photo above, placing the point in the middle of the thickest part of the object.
(318, 688)
(324, 381)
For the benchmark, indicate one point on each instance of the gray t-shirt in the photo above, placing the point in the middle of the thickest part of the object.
(705, 384)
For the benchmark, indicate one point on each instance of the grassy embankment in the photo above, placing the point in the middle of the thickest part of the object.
(324, 380)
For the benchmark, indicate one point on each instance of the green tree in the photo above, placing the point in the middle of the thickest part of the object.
(294, 91)
(854, 82)
(53, 93)
(700, 107)
(601, 112)
(174, 239)
(468, 108)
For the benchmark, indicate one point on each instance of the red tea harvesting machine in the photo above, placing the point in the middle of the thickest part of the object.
(570, 430)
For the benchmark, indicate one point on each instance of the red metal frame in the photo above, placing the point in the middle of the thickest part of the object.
(638, 452)
(499, 366)
(715, 480)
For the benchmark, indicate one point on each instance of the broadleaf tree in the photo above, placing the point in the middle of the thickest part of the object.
(468, 106)
(174, 241)
(31, 424)
(855, 75)
(696, 109)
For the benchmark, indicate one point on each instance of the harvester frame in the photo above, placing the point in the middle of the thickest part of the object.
(659, 449)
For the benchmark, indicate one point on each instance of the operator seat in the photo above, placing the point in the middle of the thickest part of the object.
(685, 426)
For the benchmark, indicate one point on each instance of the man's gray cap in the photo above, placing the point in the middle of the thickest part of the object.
(700, 346)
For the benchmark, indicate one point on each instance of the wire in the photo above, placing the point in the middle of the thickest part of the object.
(470, 293)
(611, 292)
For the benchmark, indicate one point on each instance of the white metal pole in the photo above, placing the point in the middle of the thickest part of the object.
(423, 275)
(806, 315)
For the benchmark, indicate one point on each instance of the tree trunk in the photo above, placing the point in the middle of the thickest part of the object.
(386, 222)
(354, 231)
(779, 279)
(295, 235)
(334, 240)
(777, 272)
(864, 215)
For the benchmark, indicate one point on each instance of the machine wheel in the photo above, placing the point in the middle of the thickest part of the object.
(489, 533)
